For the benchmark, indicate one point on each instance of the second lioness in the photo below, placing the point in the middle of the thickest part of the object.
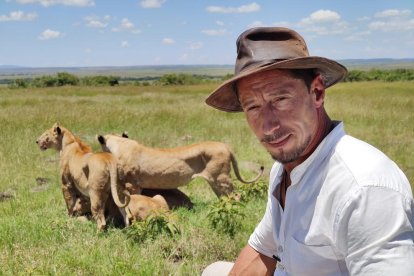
(170, 168)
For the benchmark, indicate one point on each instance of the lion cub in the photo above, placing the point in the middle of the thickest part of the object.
(141, 206)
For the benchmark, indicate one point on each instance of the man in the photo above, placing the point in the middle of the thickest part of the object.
(336, 205)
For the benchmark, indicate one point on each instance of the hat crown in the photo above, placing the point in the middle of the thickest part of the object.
(259, 46)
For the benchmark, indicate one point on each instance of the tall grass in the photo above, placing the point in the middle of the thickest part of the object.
(36, 235)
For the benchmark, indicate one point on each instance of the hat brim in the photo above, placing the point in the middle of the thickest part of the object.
(224, 97)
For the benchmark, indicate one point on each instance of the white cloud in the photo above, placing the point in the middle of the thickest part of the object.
(390, 26)
(194, 45)
(49, 34)
(168, 40)
(358, 36)
(220, 23)
(253, 7)
(124, 44)
(219, 32)
(126, 25)
(322, 16)
(47, 3)
(97, 22)
(324, 22)
(255, 24)
(18, 16)
(392, 13)
(392, 20)
(148, 4)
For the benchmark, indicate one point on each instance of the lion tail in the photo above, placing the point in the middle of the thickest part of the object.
(237, 172)
(115, 187)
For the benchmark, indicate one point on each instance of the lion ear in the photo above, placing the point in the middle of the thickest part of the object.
(56, 128)
(100, 139)
(125, 134)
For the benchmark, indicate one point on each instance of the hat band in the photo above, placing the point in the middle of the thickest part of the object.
(257, 64)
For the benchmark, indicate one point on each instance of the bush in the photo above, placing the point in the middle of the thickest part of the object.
(101, 81)
(19, 83)
(44, 81)
(254, 190)
(152, 226)
(380, 75)
(225, 216)
(64, 78)
(181, 79)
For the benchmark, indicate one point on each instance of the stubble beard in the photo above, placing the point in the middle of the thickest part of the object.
(288, 157)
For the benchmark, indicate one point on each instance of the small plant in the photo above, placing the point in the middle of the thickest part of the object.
(226, 216)
(254, 190)
(152, 226)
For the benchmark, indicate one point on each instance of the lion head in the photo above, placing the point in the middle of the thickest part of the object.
(51, 138)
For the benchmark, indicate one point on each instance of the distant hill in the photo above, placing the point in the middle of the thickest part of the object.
(13, 71)
(379, 63)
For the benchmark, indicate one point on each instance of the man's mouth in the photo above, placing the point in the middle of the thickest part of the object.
(279, 141)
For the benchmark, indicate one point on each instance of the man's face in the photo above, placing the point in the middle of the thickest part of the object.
(281, 111)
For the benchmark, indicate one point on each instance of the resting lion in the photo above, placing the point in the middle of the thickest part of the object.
(170, 168)
(91, 174)
(141, 206)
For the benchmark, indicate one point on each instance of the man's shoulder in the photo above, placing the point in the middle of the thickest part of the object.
(366, 165)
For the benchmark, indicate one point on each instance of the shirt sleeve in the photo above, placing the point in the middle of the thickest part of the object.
(375, 232)
(262, 239)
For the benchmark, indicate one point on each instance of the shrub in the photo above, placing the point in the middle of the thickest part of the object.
(152, 226)
(225, 216)
(254, 190)
(64, 78)
(19, 83)
(101, 80)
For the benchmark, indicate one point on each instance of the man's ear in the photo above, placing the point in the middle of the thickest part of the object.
(318, 89)
(100, 139)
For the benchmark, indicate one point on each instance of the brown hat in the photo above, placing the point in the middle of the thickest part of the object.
(265, 48)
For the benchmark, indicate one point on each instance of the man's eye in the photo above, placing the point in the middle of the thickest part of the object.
(252, 107)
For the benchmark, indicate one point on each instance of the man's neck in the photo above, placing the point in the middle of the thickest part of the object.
(325, 125)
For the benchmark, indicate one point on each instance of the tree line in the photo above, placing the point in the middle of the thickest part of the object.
(64, 78)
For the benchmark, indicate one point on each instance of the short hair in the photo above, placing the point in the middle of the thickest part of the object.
(307, 75)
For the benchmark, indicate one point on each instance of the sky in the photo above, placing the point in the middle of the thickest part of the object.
(84, 33)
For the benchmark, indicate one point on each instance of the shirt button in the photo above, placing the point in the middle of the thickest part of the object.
(280, 249)
(280, 266)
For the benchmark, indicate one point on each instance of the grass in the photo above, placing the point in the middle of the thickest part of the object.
(36, 235)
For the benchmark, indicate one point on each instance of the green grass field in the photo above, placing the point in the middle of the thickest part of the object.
(36, 235)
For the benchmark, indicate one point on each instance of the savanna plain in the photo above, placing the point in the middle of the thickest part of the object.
(37, 237)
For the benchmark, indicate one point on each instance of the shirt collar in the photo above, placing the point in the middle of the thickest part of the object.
(320, 153)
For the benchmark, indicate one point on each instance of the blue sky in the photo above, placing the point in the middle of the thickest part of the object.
(56, 33)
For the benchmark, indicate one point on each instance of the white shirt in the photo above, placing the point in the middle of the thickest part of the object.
(349, 211)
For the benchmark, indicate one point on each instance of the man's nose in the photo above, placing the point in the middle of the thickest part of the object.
(271, 121)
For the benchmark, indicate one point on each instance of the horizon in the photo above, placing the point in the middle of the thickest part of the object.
(359, 61)
(91, 33)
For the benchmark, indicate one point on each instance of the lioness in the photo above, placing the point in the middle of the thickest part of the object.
(170, 168)
(91, 174)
